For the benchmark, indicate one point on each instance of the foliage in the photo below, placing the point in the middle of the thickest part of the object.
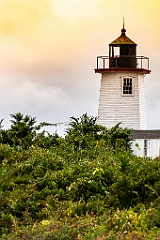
(87, 185)
(21, 132)
(84, 135)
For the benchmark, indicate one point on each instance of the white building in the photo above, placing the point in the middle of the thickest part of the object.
(122, 94)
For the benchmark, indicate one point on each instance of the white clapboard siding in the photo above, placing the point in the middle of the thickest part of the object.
(138, 148)
(115, 107)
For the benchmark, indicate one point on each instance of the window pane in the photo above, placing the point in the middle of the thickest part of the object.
(117, 51)
(147, 148)
(127, 86)
(145, 151)
(145, 143)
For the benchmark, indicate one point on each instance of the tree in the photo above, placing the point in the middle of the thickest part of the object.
(21, 132)
(83, 131)
(120, 138)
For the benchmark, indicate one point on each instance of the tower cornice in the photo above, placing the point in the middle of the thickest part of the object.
(111, 70)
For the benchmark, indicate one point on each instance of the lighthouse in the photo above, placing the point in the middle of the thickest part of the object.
(122, 92)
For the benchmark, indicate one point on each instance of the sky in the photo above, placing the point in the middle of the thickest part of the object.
(48, 51)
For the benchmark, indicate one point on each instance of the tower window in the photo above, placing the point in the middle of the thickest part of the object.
(127, 86)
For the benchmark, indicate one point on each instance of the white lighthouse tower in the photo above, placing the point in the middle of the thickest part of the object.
(122, 93)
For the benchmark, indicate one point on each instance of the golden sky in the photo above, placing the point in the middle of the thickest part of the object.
(49, 46)
(36, 28)
(31, 29)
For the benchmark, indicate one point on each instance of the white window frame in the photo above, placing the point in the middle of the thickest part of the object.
(127, 79)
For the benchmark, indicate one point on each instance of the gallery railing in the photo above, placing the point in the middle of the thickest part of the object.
(104, 62)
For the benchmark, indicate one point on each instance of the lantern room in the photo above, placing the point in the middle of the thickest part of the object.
(122, 56)
(122, 52)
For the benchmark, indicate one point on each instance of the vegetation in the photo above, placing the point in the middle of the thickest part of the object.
(86, 185)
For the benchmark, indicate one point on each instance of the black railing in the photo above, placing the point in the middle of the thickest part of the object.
(104, 62)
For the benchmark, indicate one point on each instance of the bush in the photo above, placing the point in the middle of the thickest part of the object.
(87, 185)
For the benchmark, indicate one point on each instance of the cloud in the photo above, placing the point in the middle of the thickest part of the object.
(74, 9)
(49, 102)
(20, 17)
(32, 35)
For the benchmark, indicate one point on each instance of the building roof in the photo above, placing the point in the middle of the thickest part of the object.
(122, 39)
(146, 134)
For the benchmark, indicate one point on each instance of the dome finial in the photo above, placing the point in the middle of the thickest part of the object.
(123, 30)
